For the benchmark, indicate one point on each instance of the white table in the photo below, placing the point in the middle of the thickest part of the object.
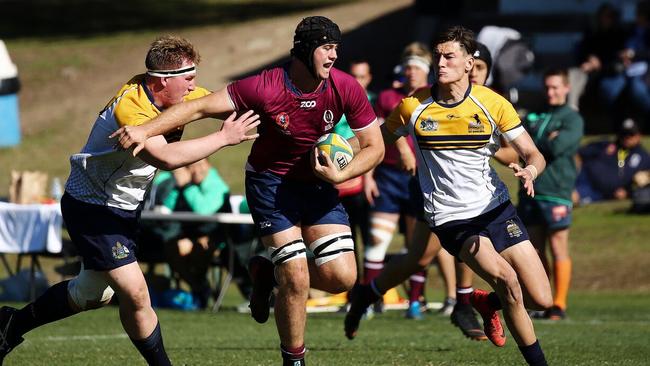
(29, 229)
(222, 218)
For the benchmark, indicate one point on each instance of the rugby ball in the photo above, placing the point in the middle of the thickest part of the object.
(337, 148)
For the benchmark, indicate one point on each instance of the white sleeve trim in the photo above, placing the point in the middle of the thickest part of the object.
(364, 127)
(232, 104)
(514, 133)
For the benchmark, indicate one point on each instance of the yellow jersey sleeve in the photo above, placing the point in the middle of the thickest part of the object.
(507, 117)
(197, 93)
(398, 121)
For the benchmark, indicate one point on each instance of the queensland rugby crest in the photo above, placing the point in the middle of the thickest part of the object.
(120, 251)
(328, 118)
(282, 120)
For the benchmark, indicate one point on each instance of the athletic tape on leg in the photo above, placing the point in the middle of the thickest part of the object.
(290, 251)
(381, 240)
(90, 290)
(331, 246)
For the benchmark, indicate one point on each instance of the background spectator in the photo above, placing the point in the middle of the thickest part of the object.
(190, 247)
(608, 167)
(597, 51)
(548, 214)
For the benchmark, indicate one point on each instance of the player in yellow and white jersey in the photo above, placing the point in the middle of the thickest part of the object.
(457, 127)
(101, 204)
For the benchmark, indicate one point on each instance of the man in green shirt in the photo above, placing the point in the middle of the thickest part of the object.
(189, 247)
(557, 133)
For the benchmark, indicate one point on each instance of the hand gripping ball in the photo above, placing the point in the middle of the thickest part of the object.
(337, 148)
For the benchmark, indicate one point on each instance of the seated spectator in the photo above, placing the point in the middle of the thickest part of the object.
(190, 246)
(597, 51)
(627, 88)
(608, 167)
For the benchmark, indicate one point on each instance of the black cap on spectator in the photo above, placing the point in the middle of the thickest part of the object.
(629, 127)
(482, 53)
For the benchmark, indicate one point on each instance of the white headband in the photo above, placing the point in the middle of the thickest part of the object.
(186, 70)
(417, 61)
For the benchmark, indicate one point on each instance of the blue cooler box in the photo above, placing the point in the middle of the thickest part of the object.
(9, 121)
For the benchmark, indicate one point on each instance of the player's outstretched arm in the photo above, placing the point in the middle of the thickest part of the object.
(534, 161)
(160, 154)
(178, 115)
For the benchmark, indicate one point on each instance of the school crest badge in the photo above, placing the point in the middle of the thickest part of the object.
(513, 229)
(120, 251)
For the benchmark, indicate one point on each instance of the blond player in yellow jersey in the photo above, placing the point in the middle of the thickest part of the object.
(457, 127)
(103, 195)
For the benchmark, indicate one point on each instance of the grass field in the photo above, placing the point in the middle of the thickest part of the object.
(603, 329)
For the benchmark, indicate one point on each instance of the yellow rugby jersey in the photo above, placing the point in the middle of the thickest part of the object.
(454, 144)
(106, 175)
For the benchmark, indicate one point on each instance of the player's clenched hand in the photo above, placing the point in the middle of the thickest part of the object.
(526, 176)
(235, 131)
(370, 188)
(407, 162)
(128, 136)
(324, 167)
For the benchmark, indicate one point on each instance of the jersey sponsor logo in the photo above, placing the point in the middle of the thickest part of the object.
(452, 116)
(307, 103)
(513, 229)
(475, 126)
(282, 120)
(429, 124)
(120, 251)
(328, 118)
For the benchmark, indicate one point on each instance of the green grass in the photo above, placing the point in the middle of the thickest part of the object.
(602, 329)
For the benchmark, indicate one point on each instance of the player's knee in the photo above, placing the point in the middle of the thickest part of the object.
(295, 282)
(331, 246)
(542, 300)
(343, 281)
(510, 286)
(89, 290)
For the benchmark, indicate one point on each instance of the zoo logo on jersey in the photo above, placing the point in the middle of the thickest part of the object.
(120, 251)
(307, 103)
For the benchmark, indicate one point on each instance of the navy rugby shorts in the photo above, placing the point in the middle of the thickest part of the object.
(399, 192)
(277, 204)
(501, 225)
(104, 236)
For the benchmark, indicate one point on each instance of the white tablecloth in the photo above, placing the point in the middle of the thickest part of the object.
(30, 228)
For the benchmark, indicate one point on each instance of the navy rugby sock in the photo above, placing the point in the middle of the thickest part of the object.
(152, 348)
(53, 305)
(533, 354)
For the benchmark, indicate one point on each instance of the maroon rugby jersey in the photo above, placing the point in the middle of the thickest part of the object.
(291, 121)
(386, 102)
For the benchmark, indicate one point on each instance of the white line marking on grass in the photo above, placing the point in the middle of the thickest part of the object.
(95, 337)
